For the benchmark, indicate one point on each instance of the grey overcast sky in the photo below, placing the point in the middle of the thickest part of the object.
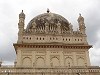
(70, 9)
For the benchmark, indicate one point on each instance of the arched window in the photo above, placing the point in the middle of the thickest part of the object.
(37, 38)
(27, 62)
(80, 61)
(40, 38)
(55, 61)
(43, 38)
(68, 61)
(40, 62)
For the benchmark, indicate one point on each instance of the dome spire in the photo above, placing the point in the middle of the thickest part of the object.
(48, 10)
(79, 14)
(22, 11)
(22, 15)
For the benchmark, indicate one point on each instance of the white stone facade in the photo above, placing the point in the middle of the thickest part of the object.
(52, 55)
(49, 40)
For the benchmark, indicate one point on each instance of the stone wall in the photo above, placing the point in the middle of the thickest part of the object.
(52, 55)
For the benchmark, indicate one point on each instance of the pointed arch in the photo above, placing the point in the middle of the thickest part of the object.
(80, 61)
(68, 61)
(55, 61)
(40, 62)
(27, 62)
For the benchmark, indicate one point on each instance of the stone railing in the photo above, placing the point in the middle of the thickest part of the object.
(11, 70)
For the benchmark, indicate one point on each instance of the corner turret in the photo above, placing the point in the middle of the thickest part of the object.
(22, 15)
(81, 23)
(21, 26)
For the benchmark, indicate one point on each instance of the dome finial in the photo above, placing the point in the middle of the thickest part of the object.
(79, 14)
(48, 10)
(22, 10)
(22, 15)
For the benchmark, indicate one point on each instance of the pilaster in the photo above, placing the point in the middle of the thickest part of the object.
(19, 59)
(61, 58)
(47, 58)
(74, 59)
(87, 58)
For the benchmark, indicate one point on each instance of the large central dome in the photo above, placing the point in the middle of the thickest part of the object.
(51, 20)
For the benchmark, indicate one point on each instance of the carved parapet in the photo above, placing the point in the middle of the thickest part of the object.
(50, 70)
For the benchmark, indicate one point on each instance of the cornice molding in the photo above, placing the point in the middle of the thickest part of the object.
(52, 46)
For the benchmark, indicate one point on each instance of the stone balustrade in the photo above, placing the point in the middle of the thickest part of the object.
(75, 70)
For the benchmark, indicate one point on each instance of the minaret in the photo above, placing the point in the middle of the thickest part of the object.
(21, 26)
(81, 23)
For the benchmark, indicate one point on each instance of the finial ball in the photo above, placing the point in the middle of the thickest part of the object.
(48, 10)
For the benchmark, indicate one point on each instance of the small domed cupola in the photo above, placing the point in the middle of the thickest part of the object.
(22, 15)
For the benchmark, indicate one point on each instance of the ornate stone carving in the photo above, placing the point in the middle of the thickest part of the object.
(52, 19)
